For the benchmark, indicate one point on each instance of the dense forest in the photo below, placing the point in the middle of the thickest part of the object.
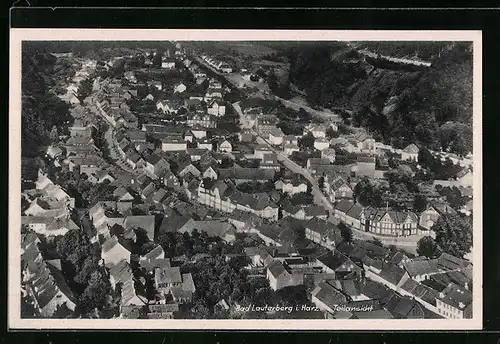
(398, 104)
(41, 108)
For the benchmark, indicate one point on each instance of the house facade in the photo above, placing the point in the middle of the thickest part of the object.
(388, 222)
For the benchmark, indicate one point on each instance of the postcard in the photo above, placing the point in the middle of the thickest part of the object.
(245, 179)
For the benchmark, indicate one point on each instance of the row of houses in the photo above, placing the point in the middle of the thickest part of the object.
(43, 283)
(222, 195)
(221, 66)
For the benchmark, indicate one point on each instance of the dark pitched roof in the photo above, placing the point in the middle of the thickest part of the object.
(334, 260)
(392, 273)
(329, 295)
(456, 296)
(355, 211)
(314, 210)
(448, 262)
(256, 201)
(277, 269)
(421, 267)
(153, 158)
(374, 290)
(344, 205)
(168, 275)
(403, 307)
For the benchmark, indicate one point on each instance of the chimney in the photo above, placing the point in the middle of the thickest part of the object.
(441, 295)
(461, 305)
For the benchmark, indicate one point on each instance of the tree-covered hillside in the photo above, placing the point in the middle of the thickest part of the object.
(399, 104)
(41, 108)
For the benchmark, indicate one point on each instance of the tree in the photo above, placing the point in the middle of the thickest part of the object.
(368, 194)
(419, 203)
(84, 89)
(346, 233)
(307, 141)
(239, 262)
(428, 247)
(95, 294)
(453, 234)
(330, 133)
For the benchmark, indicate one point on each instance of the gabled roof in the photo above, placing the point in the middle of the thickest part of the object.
(355, 211)
(350, 287)
(318, 161)
(411, 148)
(396, 257)
(121, 272)
(457, 277)
(153, 158)
(375, 290)
(344, 205)
(448, 262)
(146, 222)
(109, 244)
(392, 273)
(256, 201)
(328, 295)
(156, 252)
(159, 195)
(404, 307)
(314, 210)
(277, 132)
(456, 296)
(423, 267)
(168, 275)
(324, 228)
(277, 269)
(334, 260)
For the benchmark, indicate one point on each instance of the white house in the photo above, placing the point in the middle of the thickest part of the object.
(276, 136)
(225, 146)
(171, 144)
(166, 106)
(291, 187)
(465, 177)
(179, 88)
(168, 64)
(216, 108)
(199, 132)
(317, 130)
(410, 153)
(113, 252)
(321, 143)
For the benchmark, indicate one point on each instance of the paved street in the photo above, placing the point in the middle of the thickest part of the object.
(243, 122)
(319, 197)
(118, 160)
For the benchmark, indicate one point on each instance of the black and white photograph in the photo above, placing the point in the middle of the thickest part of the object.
(246, 180)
